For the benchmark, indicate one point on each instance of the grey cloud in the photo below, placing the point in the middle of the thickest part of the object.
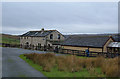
(62, 16)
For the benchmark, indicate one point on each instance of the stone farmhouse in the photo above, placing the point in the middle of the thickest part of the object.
(39, 39)
(50, 39)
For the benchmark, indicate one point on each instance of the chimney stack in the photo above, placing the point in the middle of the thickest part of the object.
(42, 30)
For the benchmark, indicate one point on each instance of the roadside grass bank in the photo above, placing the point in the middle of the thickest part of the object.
(9, 39)
(9, 42)
(71, 66)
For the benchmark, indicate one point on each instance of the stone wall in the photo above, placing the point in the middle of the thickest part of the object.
(106, 44)
(55, 36)
(33, 40)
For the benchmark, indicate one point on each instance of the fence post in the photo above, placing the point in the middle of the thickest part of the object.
(90, 53)
(67, 51)
(84, 53)
(78, 52)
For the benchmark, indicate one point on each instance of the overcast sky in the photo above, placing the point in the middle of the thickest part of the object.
(72, 17)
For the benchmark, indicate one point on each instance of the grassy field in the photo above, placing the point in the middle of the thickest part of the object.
(9, 39)
(56, 73)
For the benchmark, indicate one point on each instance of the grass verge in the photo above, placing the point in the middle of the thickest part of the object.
(55, 73)
(10, 40)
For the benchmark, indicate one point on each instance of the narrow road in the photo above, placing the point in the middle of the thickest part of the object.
(0, 62)
(13, 66)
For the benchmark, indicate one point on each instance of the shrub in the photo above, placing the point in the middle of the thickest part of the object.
(89, 63)
(112, 71)
(68, 63)
(110, 67)
(98, 61)
(47, 61)
(78, 64)
(64, 63)
(72, 63)
(60, 63)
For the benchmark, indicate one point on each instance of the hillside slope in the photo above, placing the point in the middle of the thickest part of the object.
(9, 39)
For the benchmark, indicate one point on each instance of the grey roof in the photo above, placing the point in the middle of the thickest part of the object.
(89, 41)
(116, 38)
(38, 33)
(114, 44)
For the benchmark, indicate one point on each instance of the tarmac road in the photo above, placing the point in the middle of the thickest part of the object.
(13, 66)
(0, 62)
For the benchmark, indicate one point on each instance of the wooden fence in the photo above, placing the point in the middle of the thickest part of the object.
(91, 53)
(63, 51)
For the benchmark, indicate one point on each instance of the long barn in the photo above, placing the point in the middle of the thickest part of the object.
(96, 44)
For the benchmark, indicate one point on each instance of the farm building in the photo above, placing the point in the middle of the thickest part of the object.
(113, 48)
(79, 44)
(75, 44)
(40, 39)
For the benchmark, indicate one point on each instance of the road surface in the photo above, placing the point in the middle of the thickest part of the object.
(0, 62)
(13, 66)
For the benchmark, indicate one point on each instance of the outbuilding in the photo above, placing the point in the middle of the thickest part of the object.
(113, 49)
(95, 44)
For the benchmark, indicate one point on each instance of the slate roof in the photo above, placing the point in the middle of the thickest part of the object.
(38, 33)
(116, 38)
(89, 41)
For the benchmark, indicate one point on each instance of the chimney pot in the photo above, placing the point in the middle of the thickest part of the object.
(42, 29)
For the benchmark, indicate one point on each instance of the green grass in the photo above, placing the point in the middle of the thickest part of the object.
(74, 55)
(55, 73)
(22, 76)
(10, 40)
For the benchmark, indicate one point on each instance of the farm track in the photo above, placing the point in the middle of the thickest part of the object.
(13, 66)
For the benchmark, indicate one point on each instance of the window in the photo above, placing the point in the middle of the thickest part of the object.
(51, 36)
(48, 45)
(39, 45)
(58, 36)
(27, 44)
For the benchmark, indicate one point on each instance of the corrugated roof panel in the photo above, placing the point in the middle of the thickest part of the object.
(114, 44)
